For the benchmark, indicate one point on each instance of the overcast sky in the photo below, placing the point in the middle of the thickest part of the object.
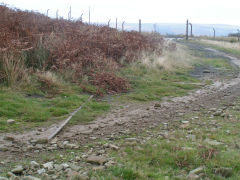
(151, 11)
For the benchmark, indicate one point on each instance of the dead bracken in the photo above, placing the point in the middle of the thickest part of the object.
(85, 50)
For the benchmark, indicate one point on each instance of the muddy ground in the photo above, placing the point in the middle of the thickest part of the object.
(131, 118)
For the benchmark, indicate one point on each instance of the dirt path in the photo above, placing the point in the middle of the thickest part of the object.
(132, 118)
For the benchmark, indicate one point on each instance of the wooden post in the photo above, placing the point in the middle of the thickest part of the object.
(70, 14)
(191, 30)
(81, 17)
(140, 26)
(89, 15)
(214, 33)
(187, 30)
(47, 12)
(116, 24)
(57, 14)
(238, 35)
(123, 25)
(109, 22)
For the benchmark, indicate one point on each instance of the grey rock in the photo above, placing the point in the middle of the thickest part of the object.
(34, 164)
(41, 171)
(75, 175)
(65, 165)
(42, 141)
(75, 167)
(48, 165)
(17, 170)
(10, 121)
(198, 170)
(77, 158)
(58, 167)
(212, 142)
(87, 132)
(39, 146)
(109, 163)
(71, 146)
(131, 139)
(30, 178)
(114, 147)
(99, 160)
(3, 178)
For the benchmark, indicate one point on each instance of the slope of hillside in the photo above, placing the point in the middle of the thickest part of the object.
(73, 49)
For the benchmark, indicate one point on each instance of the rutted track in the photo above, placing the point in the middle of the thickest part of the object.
(133, 118)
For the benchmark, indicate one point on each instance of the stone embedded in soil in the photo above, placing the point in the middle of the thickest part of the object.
(114, 147)
(30, 178)
(131, 139)
(18, 170)
(10, 121)
(213, 142)
(48, 165)
(197, 170)
(41, 171)
(3, 178)
(65, 165)
(58, 167)
(75, 175)
(42, 141)
(71, 146)
(99, 160)
(34, 164)
(87, 132)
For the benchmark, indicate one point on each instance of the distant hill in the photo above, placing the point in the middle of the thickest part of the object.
(171, 28)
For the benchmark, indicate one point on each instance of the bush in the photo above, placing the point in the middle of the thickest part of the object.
(36, 57)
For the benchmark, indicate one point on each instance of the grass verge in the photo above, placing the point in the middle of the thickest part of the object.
(34, 111)
(227, 47)
(153, 78)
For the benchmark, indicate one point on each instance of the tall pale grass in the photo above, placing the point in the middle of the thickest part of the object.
(12, 68)
(50, 82)
(170, 60)
(223, 44)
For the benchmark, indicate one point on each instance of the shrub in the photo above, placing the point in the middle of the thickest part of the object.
(36, 57)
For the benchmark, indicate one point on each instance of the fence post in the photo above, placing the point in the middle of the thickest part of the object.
(140, 26)
(57, 14)
(89, 15)
(70, 14)
(214, 33)
(123, 25)
(238, 34)
(47, 12)
(191, 30)
(116, 23)
(109, 22)
(187, 30)
(81, 17)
